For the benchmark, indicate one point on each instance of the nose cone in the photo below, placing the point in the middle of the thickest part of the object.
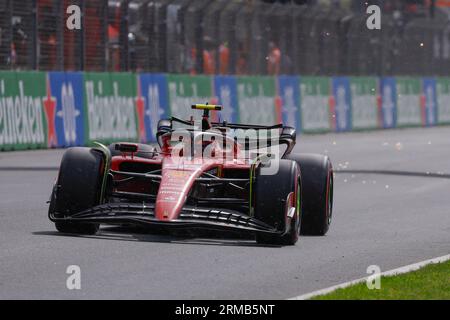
(173, 191)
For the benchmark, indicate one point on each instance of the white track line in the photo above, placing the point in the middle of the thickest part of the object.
(405, 269)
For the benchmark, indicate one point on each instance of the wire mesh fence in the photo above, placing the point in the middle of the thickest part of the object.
(221, 37)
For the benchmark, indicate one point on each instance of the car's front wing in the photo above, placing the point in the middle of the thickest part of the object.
(190, 218)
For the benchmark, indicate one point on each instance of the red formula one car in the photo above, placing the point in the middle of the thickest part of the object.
(202, 175)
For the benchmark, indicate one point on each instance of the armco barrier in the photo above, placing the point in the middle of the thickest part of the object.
(62, 109)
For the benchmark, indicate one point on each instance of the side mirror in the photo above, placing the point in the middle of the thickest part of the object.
(289, 133)
(288, 137)
(164, 125)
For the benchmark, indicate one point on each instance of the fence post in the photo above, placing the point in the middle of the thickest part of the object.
(83, 34)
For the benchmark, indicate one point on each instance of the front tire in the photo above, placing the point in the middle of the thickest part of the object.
(275, 195)
(78, 188)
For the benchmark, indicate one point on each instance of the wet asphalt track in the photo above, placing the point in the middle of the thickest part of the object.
(392, 218)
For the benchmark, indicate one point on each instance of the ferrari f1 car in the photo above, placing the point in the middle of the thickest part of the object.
(199, 176)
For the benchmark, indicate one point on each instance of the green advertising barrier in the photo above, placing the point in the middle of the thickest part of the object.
(23, 115)
(315, 104)
(186, 90)
(257, 101)
(443, 100)
(409, 110)
(364, 92)
(110, 107)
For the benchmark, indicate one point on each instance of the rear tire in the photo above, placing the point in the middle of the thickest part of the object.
(78, 188)
(317, 179)
(271, 194)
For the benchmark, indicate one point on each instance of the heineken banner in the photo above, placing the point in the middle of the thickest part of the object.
(64, 97)
(315, 104)
(151, 104)
(63, 109)
(409, 102)
(185, 91)
(24, 109)
(443, 100)
(257, 101)
(110, 100)
(288, 89)
(364, 98)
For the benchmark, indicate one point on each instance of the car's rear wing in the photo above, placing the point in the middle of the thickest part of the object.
(287, 135)
(245, 126)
